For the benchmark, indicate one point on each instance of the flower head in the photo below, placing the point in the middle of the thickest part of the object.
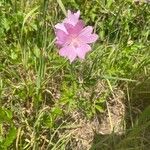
(73, 37)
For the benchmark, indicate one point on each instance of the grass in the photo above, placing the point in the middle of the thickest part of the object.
(40, 91)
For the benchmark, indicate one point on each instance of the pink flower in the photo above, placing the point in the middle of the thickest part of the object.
(73, 37)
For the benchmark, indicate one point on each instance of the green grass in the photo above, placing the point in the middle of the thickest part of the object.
(39, 90)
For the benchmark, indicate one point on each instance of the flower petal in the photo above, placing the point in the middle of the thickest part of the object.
(61, 37)
(61, 26)
(72, 18)
(69, 52)
(77, 14)
(87, 36)
(87, 30)
(82, 50)
(75, 29)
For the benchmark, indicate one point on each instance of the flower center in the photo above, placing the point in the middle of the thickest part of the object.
(74, 41)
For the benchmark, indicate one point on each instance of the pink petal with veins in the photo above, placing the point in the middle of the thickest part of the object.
(87, 36)
(72, 18)
(69, 52)
(82, 50)
(60, 26)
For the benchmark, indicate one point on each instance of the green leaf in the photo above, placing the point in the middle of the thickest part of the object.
(57, 111)
(99, 108)
(145, 116)
(10, 137)
(62, 7)
(5, 115)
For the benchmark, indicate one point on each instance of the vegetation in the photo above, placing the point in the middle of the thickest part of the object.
(41, 92)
